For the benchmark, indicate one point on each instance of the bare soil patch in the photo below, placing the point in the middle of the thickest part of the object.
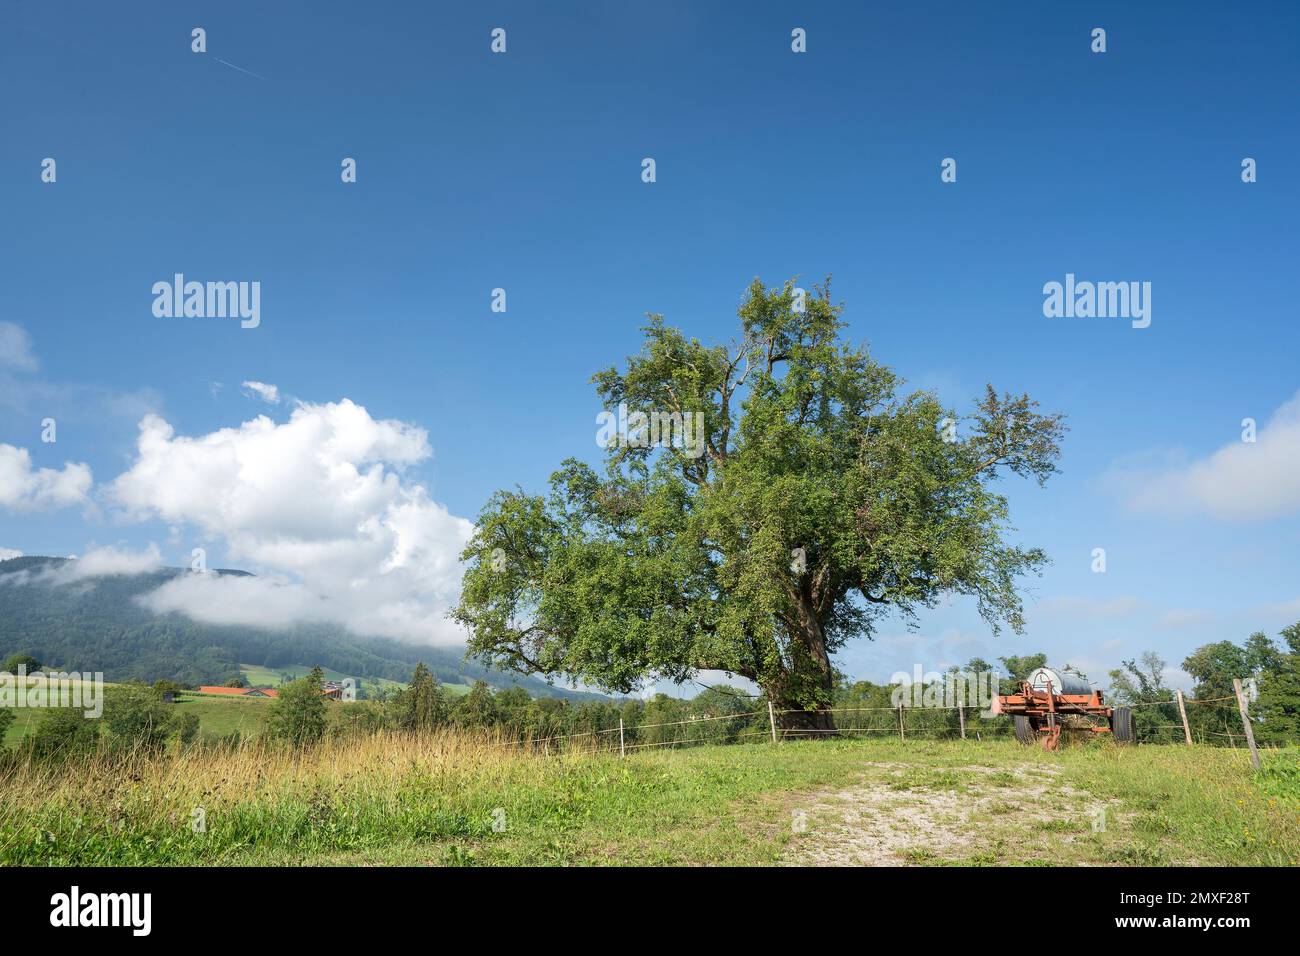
(903, 815)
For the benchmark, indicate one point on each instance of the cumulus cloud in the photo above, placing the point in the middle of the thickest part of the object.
(268, 601)
(267, 393)
(23, 488)
(106, 562)
(16, 348)
(320, 506)
(1240, 481)
(112, 563)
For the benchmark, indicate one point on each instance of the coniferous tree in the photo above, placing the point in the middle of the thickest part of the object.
(421, 706)
(477, 709)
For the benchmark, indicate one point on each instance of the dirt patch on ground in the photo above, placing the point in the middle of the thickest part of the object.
(901, 815)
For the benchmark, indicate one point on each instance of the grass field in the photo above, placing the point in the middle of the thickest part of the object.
(395, 800)
(223, 715)
(25, 718)
(217, 715)
(274, 676)
(220, 715)
(258, 676)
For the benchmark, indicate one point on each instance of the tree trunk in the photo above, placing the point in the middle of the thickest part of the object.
(813, 724)
(807, 690)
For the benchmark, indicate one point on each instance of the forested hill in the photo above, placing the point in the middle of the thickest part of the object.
(97, 624)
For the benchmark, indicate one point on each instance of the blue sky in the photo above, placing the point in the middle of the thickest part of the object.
(522, 171)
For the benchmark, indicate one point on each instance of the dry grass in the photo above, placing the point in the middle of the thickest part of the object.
(346, 792)
(392, 798)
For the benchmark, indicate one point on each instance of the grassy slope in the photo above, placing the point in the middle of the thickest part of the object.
(263, 676)
(217, 715)
(25, 718)
(391, 800)
(256, 675)
(222, 715)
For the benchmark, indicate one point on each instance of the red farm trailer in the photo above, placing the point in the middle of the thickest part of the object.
(1052, 701)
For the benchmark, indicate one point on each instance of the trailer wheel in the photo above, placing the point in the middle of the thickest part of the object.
(1026, 732)
(1121, 725)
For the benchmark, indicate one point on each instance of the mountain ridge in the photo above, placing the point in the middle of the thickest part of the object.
(97, 624)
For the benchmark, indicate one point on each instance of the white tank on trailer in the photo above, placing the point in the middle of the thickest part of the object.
(1063, 681)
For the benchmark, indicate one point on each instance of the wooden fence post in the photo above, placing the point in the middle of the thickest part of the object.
(902, 733)
(771, 718)
(961, 719)
(622, 750)
(1182, 712)
(1245, 721)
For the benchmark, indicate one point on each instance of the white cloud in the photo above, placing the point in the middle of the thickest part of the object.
(320, 506)
(1240, 481)
(1084, 609)
(23, 488)
(105, 562)
(268, 602)
(1178, 618)
(895, 651)
(1281, 613)
(16, 348)
(7, 553)
(267, 393)
(110, 563)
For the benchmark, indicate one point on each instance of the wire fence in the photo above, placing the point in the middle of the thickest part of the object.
(1206, 721)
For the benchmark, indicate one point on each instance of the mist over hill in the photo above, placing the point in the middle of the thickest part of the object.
(97, 623)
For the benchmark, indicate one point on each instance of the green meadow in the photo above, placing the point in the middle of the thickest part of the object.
(452, 798)
(258, 676)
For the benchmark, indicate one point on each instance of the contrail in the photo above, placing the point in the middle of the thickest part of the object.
(239, 68)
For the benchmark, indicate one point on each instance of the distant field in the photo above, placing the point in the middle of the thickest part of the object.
(217, 715)
(274, 676)
(25, 718)
(223, 715)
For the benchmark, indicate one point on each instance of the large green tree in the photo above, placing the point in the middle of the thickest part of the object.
(1279, 693)
(817, 497)
(1276, 671)
(137, 719)
(297, 715)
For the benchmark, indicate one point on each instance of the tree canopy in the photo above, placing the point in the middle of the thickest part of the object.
(820, 497)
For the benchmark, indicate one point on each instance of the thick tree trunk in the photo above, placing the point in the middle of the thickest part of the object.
(813, 724)
(802, 696)
(812, 678)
